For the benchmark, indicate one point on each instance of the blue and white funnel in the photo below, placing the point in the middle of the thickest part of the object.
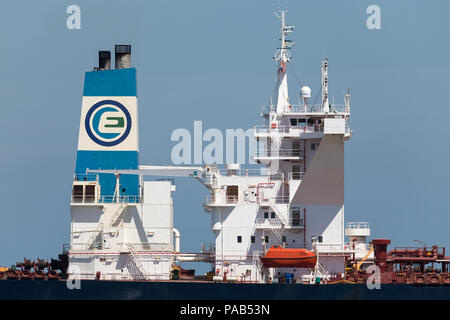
(108, 136)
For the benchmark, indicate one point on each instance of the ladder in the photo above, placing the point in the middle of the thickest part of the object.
(317, 271)
(113, 221)
(94, 236)
(277, 210)
(119, 213)
(138, 263)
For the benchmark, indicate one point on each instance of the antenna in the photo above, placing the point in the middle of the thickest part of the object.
(325, 103)
(282, 53)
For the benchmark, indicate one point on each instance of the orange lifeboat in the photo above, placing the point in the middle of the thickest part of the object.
(279, 257)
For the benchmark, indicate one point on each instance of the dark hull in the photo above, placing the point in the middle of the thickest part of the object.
(177, 290)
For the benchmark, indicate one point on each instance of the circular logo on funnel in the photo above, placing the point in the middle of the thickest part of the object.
(108, 123)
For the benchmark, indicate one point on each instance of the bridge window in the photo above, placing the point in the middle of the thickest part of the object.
(232, 194)
(252, 239)
(89, 193)
(239, 239)
(77, 193)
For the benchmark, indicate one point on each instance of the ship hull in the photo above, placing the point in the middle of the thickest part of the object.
(180, 290)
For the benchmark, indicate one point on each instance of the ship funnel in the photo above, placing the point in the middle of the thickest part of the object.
(108, 135)
(123, 56)
(104, 60)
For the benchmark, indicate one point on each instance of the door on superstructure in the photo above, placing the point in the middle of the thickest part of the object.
(89, 193)
(296, 151)
(232, 194)
(297, 217)
(296, 172)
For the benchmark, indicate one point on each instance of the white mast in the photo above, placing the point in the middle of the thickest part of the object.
(325, 102)
(282, 56)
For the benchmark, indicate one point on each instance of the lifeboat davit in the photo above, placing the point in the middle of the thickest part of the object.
(279, 257)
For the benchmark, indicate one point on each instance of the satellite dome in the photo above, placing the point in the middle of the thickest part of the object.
(305, 92)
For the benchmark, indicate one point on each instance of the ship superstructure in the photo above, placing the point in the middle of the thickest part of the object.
(297, 201)
(122, 225)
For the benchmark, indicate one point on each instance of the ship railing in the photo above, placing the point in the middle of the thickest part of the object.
(289, 175)
(279, 153)
(119, 199)
(309, 108)
(83, 198)
(282, 130)
(280, 199)
(294, 222)
(324, 247)
(244, 172)
(144, 246)
(222, 199)
(85, 177)
(105, 199)
(295, 175)
(149, 246)
(357, 225)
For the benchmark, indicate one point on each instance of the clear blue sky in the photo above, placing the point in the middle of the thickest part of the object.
(212, 61)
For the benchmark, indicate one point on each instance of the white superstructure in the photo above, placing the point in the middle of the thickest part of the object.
(295, 199)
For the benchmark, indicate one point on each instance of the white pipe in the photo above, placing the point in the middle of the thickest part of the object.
(177, 239)
(194, 257)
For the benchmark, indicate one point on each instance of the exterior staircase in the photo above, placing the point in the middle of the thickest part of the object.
(107, 218)
(118, 214)
(91, 241)
(278, 232)
(134, 257)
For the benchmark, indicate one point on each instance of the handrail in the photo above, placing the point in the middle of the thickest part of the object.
(311, 108)
(279, 153)
(289, 129)
(244, 172)
(357, 225)
(220, 199)
(293, 222)
(85, 177)
(105, 199)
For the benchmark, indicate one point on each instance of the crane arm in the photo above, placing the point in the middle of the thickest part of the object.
(166, 171)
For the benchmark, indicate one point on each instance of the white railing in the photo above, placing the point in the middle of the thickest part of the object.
(278, 222)
(221, 199)
(149, 246)
(294, 130)
(295, 175)
(104, 199)
(357, 225)
(280, 199)
(85, 177)
(113, 199)
(244, 172)
(312, 108)
(279, 153)
(324, 247)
